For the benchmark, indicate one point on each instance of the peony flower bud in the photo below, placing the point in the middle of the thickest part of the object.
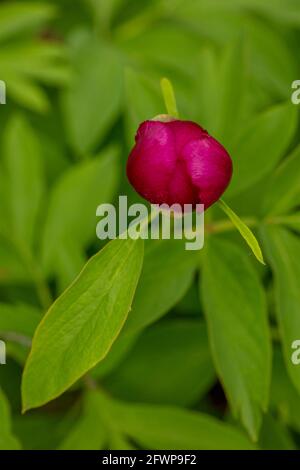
(176, 161)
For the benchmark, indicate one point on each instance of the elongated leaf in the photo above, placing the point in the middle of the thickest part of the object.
(17, 16)
(27, 93)
(261, 144)
(177, 359)
(283, 186)
(232, 76)
(80, 327)
(24, 178)
(104, 11)
(244, 230)
(206, 90)
(7, 440)
(235, 308)
(164, 47)
(163, 427)
(24, 63)
(70, 259)
(211, 19)
(93, 99)
(167, 273)
(169, 97)
(78, 192)
(12, 267)
(283, 251)
(272, 61)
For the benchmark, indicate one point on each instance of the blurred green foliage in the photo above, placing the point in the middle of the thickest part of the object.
(192, 366)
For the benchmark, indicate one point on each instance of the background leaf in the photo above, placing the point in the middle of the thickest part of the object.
(238, 332)
(16, 16)
(23, 178)
(93, 99)
(177, 359)
(283, 249)
(283, 186)
(7, 440)
(79, 191)
(261, 144)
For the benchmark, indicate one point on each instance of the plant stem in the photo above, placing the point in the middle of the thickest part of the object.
(226, 225)
(89, 382)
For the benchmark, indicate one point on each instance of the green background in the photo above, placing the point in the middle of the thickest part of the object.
(152, 347)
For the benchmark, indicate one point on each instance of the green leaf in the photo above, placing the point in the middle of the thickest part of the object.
(232, 76)
(275, 436)
(93, 99)
(272, 61)
(166, 427)
(260, 145)
(81, 326)
(104, 11)
(36, 60)
(283, 186)
(24, 63)
(286, 12)
(164, 48)
(16, 17)
(170, 363)
(284, 396)
(89, 432)
(119, 442)
(235, 307)
(70, 258)
(244, 230)
(19, 319)
(205, 90)
(283, 251)
(211, 19)
(41, 431)
(17, 325)
(28, 94)
(23, 178)
(71, 217)
(167, 273)
(12, 268)
(7, 440)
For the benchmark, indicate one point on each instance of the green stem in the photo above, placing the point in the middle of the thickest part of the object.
(227, 225)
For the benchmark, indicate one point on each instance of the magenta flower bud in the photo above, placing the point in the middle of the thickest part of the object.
(178, 162)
